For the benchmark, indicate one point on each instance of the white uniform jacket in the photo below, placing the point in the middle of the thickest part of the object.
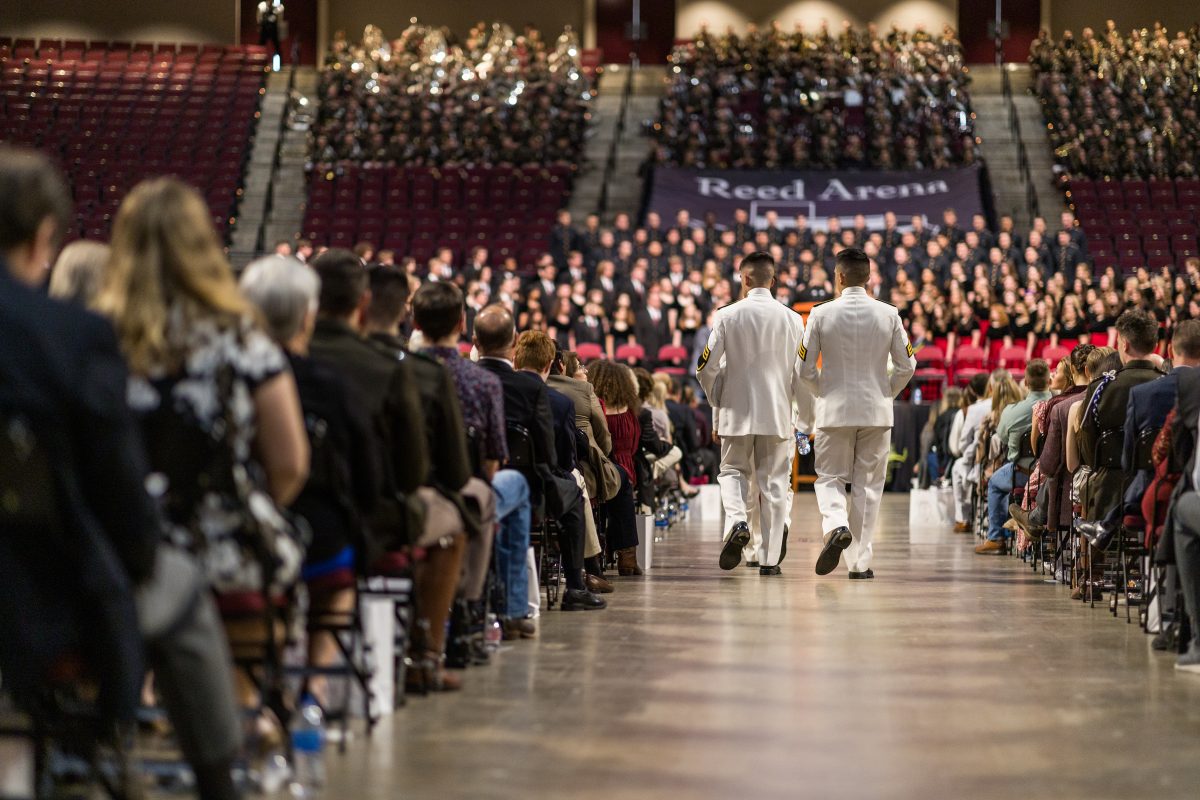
(749, 368)
(855, 334)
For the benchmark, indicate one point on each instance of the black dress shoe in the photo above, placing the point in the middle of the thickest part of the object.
(731, 552)
(581, 600)
(775, 570)
(831, 553)
(752, 564)
(863, 576)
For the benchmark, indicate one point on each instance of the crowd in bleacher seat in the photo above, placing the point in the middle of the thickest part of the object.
(856, 98)
(427, 99)
(1079, 467)
(114, 113)
(1121, 116)
(476, 142)
(242, 461)
(1120, 106)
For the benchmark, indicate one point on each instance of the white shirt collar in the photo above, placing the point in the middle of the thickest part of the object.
(494, 358)
(759, 292)
(854, 290)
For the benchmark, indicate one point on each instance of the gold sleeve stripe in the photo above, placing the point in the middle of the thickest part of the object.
(703, 358)
(909, 349)
(803, 351)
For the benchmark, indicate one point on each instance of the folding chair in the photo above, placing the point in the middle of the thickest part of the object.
(550, 572)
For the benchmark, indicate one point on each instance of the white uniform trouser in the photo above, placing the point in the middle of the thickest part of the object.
(960, 477)
(750, 551)
(855, 456)
(765, 462)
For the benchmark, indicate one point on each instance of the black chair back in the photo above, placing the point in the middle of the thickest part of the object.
(520, 448)
(1144, 449)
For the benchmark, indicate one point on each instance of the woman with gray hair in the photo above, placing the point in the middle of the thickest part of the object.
(344, 478)
(78, 273)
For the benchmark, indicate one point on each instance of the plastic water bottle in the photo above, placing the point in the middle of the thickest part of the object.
(493, 633)
(308, 749)
(916, 396)
(803, 445)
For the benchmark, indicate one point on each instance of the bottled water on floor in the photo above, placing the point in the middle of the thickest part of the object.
(308, 749)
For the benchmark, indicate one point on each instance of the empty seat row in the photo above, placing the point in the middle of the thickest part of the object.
(111, 123)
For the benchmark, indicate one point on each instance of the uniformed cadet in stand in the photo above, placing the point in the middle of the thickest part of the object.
(853, 337)
(750, 373)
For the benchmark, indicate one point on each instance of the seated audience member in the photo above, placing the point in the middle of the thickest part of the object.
(569, 376)
(451, 466)
(1149, 404)
(527, 405)
(391, 392)
(990, 452)
(78, 274)
(1051, 443)
(59, 362)
(344, 481)
(1013, 426)
(941, 423)
(1101, 438)
(657, 454)
(1186, 510)
(438, 314)
(973, 416)
(205, 380)
(683, 422)
(616, 387)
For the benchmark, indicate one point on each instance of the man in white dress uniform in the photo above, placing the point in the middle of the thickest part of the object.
(853, 336)
(750, 372)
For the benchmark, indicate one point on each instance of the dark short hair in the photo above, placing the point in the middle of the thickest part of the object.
(1037, 375)
(494, 328)
(1139, 329)
(855, 266)
(31, 192)
(978, 384)
(343, 281)
(761, 267)
(1186, 341)
(389, 294)
(437, 309)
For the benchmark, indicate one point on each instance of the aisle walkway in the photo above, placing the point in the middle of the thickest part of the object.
(950, 676)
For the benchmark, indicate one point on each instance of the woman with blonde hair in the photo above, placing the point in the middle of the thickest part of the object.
(991, 454)
(216, 401)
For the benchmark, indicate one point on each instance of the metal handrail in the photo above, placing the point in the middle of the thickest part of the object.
(260, 242)
(1014, 125)
(610, 163)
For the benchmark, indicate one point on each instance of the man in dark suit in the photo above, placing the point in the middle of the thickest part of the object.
(1149, 403)
(63, 382)
(652, 327)
(528, 404)
(389, 387)
(1186, 530)
(563, 238)
(1066, 254)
